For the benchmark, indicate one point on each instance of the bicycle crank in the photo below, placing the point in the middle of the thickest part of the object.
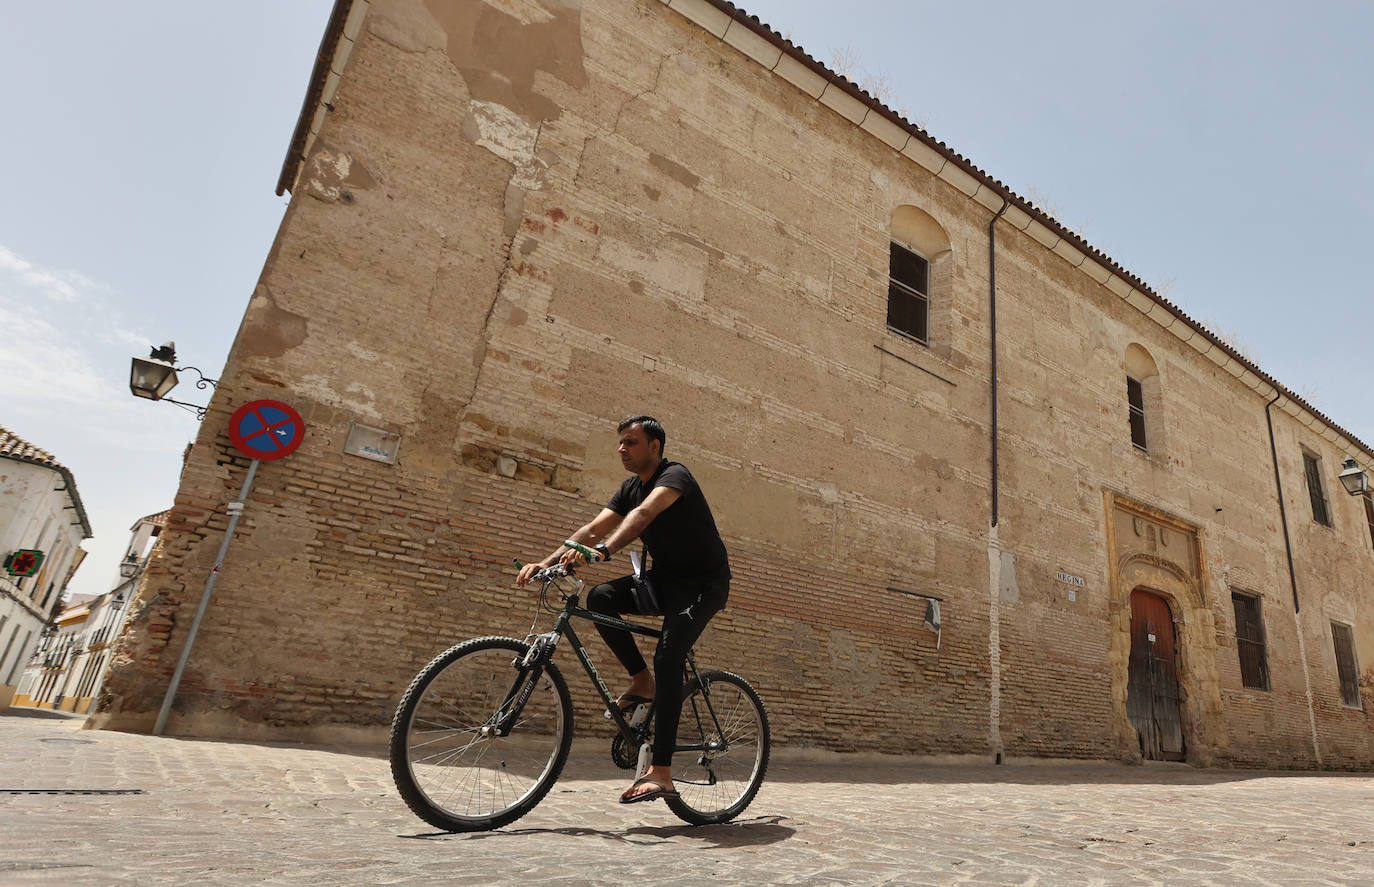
(622, 754)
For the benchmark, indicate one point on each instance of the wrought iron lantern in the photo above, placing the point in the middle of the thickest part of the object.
(1354, 478)
(156, 375)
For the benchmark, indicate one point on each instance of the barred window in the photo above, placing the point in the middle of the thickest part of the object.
(908, 293)
(1346, 668)
(1254, 663)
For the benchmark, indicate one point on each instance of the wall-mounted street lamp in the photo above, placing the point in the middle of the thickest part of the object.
(129, 567)
(152, 377)
(1354, 478)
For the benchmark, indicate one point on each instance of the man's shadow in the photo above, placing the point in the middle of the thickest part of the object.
(756, 832)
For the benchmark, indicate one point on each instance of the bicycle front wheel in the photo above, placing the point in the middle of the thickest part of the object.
(450, 763)
(722, 749)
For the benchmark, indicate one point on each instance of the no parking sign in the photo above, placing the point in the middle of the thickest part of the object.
(262, 430)
(266, 429)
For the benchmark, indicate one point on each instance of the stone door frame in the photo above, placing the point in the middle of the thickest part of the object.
(1180, 577)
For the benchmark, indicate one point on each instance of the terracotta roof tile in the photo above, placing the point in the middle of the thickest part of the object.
(12, 446)
(158, 519)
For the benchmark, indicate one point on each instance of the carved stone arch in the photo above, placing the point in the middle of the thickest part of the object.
(915, 228)
(1139, 363)
(1193, 598)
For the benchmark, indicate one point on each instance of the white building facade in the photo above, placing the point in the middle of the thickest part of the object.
(40, 511)
(68, 668)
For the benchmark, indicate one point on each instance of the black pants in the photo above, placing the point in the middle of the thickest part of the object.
(687, 607)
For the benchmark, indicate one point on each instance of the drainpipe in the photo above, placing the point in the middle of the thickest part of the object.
(994, 546)
(1293, 581)
(1283, 514)
(992, 321)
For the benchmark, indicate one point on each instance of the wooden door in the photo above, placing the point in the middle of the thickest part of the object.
(1152, 683)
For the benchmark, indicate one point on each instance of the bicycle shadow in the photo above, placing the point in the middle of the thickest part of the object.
(758, 832)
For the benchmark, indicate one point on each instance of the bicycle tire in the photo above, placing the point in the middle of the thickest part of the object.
(451, 774)
(717, 787)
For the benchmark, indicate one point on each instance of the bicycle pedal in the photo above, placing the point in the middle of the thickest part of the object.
(632, 714)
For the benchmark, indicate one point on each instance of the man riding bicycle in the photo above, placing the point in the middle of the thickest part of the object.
(663, 505)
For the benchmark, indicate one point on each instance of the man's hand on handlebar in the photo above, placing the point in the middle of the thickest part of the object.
(576, 555)
(526, 574)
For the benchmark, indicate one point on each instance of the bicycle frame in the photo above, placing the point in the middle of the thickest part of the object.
(541, 652)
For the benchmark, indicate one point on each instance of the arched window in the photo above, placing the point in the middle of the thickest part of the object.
(916, 267)
(1143, 398)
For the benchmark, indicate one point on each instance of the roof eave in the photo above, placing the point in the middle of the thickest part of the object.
(324, 58)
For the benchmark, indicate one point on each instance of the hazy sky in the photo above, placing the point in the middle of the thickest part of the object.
(141, 148)
(1219, 150)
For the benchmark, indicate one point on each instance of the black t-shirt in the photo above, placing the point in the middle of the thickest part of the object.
(682, 539)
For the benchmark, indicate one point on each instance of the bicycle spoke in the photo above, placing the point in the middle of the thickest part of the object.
(458, 766)
(723, 719)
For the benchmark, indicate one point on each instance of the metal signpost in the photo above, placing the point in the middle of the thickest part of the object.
(261, 430)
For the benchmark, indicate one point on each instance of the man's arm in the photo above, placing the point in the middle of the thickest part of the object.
(588, 535)
(635, 522)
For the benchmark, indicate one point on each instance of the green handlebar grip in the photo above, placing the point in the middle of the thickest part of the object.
(583, 550)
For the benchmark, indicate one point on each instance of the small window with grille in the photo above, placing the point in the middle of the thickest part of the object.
(1254, 664)
(1346, 668)
(908, 294)
(1312, 467)
(1369, 515)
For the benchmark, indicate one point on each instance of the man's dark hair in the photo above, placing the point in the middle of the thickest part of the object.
(653, 429)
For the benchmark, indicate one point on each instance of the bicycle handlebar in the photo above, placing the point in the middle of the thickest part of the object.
(554, 572)
(558, 570)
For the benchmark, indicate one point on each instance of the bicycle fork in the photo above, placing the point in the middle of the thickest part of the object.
(530, 669)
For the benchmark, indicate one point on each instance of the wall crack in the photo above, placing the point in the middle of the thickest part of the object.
(658, 75)
(513, 191)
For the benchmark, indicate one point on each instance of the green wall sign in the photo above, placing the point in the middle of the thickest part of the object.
(24, 562)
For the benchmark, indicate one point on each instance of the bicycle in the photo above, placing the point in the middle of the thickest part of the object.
(483, 731)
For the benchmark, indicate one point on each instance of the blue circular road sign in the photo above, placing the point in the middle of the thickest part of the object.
(266, 429)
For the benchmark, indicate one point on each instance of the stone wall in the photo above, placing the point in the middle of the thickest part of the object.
(521, 223)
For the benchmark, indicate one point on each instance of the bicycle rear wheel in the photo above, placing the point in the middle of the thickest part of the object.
(449, 763)
(722, 743)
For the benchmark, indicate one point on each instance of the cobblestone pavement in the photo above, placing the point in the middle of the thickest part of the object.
(229, 813)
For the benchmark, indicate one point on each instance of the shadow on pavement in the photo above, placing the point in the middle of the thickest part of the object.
(23, 711)
(756, 832)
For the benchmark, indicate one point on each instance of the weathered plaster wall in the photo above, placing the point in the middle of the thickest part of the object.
(36, 512)
(523, 221)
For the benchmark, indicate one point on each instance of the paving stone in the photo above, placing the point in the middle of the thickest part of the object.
(226, 813)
